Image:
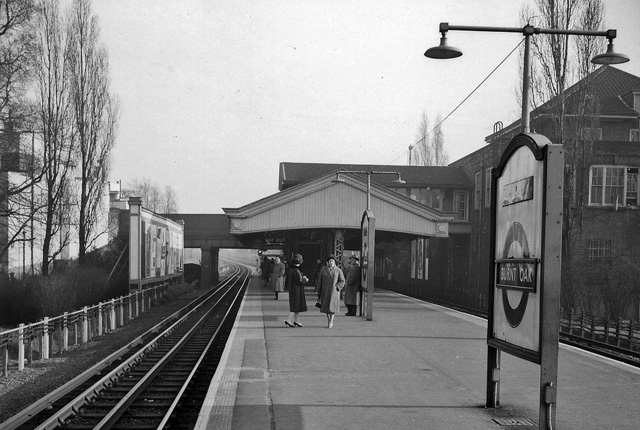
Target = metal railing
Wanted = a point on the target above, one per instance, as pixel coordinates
(42, 339)
(622, 333)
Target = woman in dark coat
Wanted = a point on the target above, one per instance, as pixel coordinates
(266, 269)
(297, 301)
(352, 287)
(328, 286)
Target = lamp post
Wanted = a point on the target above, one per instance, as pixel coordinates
(444, 51)
(368, 237)
(369, 173)
(548, 335)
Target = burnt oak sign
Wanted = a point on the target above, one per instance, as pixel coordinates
(524, 290)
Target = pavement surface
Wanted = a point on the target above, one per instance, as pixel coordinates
(414, 366)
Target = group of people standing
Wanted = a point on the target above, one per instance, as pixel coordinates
(329, 282)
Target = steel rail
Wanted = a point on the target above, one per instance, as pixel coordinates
(182, 390)
(121, 407)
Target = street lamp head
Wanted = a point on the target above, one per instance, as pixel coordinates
(443, 51)
(338, 179)
(610, 57)
(399, 180)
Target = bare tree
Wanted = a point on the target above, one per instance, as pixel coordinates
(15, 49)
(18, 172)
(153, 198)
(55, 122)
(440, 157)
(424, 155)
(430, 144)
(556, 65)
(96, 114)
(169, 201)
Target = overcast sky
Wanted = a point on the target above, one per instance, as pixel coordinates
(215, 94)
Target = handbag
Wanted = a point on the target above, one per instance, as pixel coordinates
(318, 302)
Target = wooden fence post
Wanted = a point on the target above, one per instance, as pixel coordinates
(5, 359)
(44, 352)
(21, 347)
(85, 325)
(121, 311)
(100, 310)
(112, 315)
(65, 333)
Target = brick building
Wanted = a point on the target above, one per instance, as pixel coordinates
(601, 227)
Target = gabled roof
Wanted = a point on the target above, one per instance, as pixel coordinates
(610, 87)
(417, 176)
(323, 202)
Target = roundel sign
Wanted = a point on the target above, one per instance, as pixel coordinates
(518, 247)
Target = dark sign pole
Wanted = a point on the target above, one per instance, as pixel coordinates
(367, 271)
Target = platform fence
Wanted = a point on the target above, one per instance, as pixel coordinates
(28, 343)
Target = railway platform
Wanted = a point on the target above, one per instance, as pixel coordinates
(415, 366)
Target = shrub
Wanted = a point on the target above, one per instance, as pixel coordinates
(178, 290)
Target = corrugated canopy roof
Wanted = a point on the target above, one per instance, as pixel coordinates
(418, 176)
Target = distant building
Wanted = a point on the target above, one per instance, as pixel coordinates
(602, 158)
(24, 255)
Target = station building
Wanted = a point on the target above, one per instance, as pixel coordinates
(422, 225)
(601, 222)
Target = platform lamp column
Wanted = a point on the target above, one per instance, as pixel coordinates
(368, 231)
(549, 338)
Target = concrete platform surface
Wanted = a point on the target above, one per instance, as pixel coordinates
(414, 366)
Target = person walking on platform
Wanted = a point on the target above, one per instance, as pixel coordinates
(277, 276)
(330, 282)
(265, 269)
(295, 281)
(316, 270)
(352, 287)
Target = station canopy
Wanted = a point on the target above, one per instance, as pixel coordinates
(336, 201)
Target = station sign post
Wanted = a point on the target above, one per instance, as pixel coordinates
(526, 245)
(367, 253)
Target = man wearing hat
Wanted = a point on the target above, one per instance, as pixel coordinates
(352, 286)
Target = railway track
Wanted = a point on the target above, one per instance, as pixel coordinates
(157, 381)
(606, 350)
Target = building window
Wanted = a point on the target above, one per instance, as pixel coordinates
(631, 198)
(599, 251)
(487, 188)
(420, 259)
(477, 198)
(592, 134)
(461, 205)
(613, 186)
(402, 191)
(431, 197)
(634, 135)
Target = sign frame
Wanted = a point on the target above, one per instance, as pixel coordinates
(526, 218)
(367, 256)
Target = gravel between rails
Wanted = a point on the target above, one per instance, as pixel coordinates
(20, 389)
